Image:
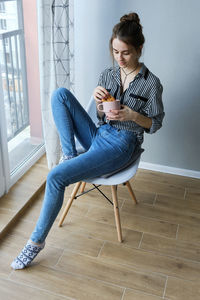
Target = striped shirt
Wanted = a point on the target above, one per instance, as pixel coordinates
(144, 95)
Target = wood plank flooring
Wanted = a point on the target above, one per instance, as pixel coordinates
(22, 194)
(158, 259)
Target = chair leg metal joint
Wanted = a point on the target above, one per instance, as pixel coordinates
(97, 187)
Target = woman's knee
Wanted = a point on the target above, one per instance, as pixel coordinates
(60, 91)
(60, 95)
(54, 179)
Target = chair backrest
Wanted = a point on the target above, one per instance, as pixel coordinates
(91, 110)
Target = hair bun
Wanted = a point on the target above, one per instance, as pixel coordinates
(129, 31)
(132, 17)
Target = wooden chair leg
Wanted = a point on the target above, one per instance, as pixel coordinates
(69, 203)
(116, 211)
(83, 187)
(131, 192)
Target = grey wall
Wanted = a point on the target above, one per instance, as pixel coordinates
(171, 51)
(94, 20)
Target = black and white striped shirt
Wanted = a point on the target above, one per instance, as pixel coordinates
(144, 95)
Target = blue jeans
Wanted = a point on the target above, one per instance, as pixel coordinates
(107, 149)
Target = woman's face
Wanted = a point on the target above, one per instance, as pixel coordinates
(125, 55)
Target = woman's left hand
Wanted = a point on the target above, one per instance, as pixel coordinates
(124, 114)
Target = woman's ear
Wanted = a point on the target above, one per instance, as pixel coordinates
(139, 51)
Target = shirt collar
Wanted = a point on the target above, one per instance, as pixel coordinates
(116, 75)
(142, 73)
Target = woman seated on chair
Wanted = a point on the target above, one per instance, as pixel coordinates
(111, 145)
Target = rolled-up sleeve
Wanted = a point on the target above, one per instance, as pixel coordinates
(101, 82)
(154, 109)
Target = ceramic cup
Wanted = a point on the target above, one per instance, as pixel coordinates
(106, 107)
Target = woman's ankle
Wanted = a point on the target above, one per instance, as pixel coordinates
(34, 243)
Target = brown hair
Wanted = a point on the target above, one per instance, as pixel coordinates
(129, 31)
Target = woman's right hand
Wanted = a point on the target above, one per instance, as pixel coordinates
(100, 93)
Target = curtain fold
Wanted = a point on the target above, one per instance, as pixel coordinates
(55, 35)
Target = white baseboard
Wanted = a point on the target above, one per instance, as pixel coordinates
(170, 170)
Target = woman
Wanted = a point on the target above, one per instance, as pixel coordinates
(110, 146)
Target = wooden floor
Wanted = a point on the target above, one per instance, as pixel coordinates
(159, 258)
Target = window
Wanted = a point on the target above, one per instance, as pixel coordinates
(21, 140)
(3, 24)
(8, 58)
(2, 7)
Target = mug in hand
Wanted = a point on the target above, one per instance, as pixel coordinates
(107, 106)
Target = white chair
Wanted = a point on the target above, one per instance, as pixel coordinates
(121, 177)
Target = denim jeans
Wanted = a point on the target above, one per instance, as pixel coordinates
(106, 149)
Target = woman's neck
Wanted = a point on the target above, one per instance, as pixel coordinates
(133, 68)
(127, 75)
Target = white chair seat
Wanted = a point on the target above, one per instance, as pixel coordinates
(118, 178)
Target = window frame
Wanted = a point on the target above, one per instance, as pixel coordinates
(7, 178)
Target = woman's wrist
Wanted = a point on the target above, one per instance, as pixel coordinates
(134, 116)
(141, 120)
